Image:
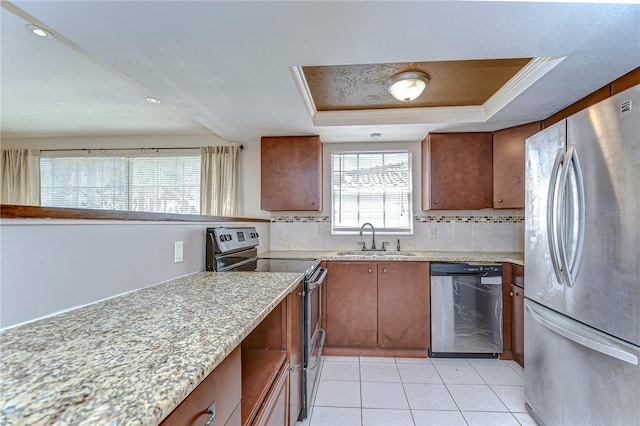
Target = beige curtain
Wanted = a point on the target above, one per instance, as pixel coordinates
(219, 180)
(20, 177)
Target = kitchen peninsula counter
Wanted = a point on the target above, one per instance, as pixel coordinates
(133, 358)
(406, 256)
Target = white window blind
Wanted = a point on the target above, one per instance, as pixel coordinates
(371, 187)
(159, 183)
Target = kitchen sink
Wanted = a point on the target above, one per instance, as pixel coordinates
(376, 253)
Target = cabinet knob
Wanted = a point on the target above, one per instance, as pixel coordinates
(384, 270)
(370, 270)
(435, 201)
(500, 200)
(511, 293)
(313, 203)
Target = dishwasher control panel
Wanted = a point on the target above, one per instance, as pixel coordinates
(459, 268)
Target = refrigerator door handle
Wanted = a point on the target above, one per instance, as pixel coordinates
(570, 269)
(583, 340)
(552, 217)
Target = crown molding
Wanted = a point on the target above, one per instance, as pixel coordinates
(301, 83)
(525, 78)
(467, 114)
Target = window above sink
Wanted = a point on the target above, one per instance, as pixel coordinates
(371, 186)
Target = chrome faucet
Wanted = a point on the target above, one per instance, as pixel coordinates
(373, 237)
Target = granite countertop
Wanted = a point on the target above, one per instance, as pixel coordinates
(133, 358)
(410, 256)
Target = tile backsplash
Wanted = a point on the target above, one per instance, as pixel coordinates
(449, 231)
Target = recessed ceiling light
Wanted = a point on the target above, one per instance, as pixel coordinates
(40, 32)
(153, 100)
(376, 135)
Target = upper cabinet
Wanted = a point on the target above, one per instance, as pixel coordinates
(508, 165)
(291, 173)
(457, 171)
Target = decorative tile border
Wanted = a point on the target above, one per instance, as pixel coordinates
(420, 219)
(301, 219)
(469, 219)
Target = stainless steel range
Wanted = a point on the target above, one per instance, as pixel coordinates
(235, 249)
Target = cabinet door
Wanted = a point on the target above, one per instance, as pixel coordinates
(403, 305)
(294, 352)
(517, 323)
(457, 171)
(352, 304)
(291, 173)
(508, 165)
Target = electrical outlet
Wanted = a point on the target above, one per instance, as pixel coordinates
(178, 252)
(432, 233)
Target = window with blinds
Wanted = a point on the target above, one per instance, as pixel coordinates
(371, 187)
(159, 183)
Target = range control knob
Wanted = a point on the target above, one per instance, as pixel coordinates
(222, 239)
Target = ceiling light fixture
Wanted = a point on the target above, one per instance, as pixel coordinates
(407, 85)
(153, 100)
(40, 32)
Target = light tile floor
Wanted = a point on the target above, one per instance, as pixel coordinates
(410, 391)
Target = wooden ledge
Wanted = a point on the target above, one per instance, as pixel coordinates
(10, 211)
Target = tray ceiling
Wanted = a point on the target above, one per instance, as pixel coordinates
(452, 83)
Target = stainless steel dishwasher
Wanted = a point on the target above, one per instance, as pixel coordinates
(466, 310)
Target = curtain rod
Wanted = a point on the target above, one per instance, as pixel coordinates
(123, 149)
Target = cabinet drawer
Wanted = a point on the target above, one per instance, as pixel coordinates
(275, 410)
(223, 385)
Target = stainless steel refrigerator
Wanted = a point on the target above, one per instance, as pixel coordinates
(582, 267)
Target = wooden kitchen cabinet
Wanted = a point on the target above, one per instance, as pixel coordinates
(266, 376)
(377, 308)
(351, 293)
(403, 305)
(291, 173)
(508, 165)
(257, 373)
(513, 312)
(223, 386)
(457, 171)
(517, 313)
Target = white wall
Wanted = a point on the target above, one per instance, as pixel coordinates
(249, 159)
(478, 230)
(47, 266)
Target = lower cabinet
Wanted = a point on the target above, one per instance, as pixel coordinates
(403, 305)
(351, 291)
(380, 306)
(513, 312)
(222, 387)
(517, 323)
(264, 372)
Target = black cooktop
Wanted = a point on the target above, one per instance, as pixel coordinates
(305, 266)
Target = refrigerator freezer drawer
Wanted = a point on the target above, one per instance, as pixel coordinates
(576, 374)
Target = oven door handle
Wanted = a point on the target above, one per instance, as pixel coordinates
(321, 345)
(317, 283)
